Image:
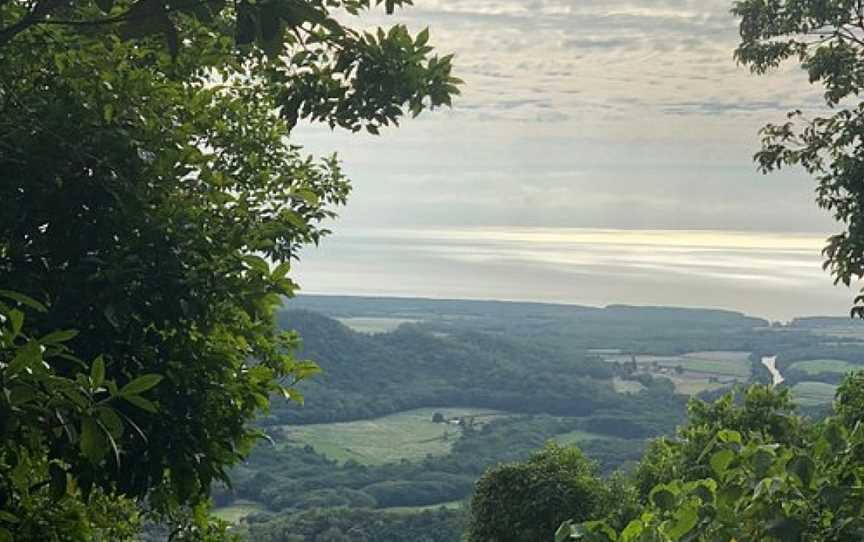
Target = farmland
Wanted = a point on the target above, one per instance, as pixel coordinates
(375, 325)
(813, 393)
(817, 366)
(238, 510)
(691, 373)
(410, 435)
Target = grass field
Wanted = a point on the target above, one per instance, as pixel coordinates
(375, 325)
(816, 366)
(699, 371)
(626, 386)
(692, 384)
(813, 393)
(238, 510)
(720, 364)
(407, 435)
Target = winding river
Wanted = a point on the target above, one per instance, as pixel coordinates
(770, 362)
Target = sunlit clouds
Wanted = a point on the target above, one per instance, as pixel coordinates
(599, 114)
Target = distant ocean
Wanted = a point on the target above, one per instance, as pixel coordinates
(771, 275)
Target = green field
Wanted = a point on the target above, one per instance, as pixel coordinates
(409, 435)
(238, 510)
(720, 364)
(699, 371)
(813, 393)
(375, 325)
(816, 366)
(626, 386)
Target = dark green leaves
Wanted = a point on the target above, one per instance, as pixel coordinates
(824, 37)
(93, 443)
(97, 372)
(140, 385)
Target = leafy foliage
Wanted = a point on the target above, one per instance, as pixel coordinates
(827, 39)
(529, 500)
(52, 428)
(764, 474)
(153, 202)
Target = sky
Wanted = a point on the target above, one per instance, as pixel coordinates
(602, 114)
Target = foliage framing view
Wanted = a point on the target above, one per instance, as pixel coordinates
(827, 39)
(147, 178)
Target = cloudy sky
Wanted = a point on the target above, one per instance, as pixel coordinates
(613, 114)
(603, 113)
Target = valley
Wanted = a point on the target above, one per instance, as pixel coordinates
(418, 397)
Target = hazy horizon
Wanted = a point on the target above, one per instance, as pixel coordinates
(610, 114)
(771, 275)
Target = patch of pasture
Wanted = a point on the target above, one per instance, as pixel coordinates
(238, 510)
(721, 364)
(626, 386)
(364, 324)
(694, 372)
(813, 393)
(409, 435)
(816, 366)
(695, 383)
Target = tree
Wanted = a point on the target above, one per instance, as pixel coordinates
(529, 500)
(146, 190)
(827, 39)
(754, 478)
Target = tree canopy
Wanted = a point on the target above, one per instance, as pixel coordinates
(149, 178)
(827, 40)
(753, 478)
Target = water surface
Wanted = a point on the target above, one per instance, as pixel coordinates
(773, 275)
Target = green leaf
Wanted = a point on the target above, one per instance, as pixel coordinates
(92, 441)
(97, 372)
(281, 271)
(633, 531)
(257, 263)
(292, 395)
(142, 403)
(684, 521)
(59, 336)
(28, 356)
(16, 318)
(140, 384)
(308, 196)
(727, 435)
(720, 461)
(422, 38)
(110, 420)
(24, 300)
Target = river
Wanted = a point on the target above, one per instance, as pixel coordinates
(771, 363)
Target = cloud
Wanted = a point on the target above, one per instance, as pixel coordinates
(618, 113)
